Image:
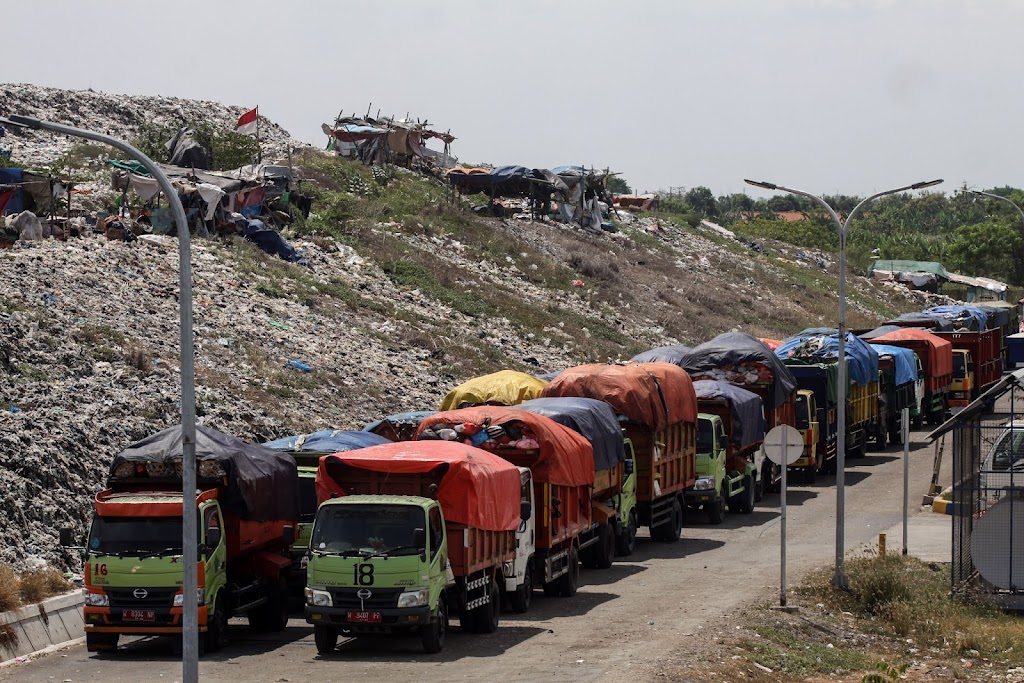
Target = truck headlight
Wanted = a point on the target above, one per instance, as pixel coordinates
(704, 484)
(318, 598)
(416, 598)
(97, 600)
(179, 598)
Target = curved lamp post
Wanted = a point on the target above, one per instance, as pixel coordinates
(839, 576)
(190, 616)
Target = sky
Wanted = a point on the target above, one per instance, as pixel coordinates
(827, 96)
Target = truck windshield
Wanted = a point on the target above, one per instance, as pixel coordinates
(705, 436)
(135, 535)
(803, 415)
(1008, 451)
(364, 529)
(959, 366)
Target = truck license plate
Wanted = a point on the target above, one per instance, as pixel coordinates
(365, 617)
(138, 615)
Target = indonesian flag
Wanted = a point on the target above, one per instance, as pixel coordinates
(247, 122)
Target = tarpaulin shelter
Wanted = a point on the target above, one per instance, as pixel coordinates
(564, 457)
(747, 408)
(263, 483)
(662, 354)
(594, 420)
(504, 181)
(739, 358)
(477, 488)
(862, 359)
(505, 387)
(923, 275)
(653, 394)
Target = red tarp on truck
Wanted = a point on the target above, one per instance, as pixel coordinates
(651, 394)
(565, 457)
(479, 489)
(939, 361)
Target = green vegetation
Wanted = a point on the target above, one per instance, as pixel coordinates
(227, 148)
(801, 651)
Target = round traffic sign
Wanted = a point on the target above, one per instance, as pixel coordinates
(784, 444)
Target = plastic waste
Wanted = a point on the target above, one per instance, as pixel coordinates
(14, 409)
(299, 365)
(478, 438)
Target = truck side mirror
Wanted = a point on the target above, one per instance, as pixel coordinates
(212, 538)
(525, 510)
(288, 534)
(627, 466)
(419, 538)
(67, 537)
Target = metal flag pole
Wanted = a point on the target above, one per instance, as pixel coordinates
(190, 608)
(906, 474)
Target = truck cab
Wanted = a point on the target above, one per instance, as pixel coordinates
(807, 423)
(624, 504)
(378, 564)
(707, 492)
(963, 378)
(518, 573)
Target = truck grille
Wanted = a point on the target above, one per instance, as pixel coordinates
(381, 598)
(125, 598)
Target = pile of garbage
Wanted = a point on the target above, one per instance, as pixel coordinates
(122, 116)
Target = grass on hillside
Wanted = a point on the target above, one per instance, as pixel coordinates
(30, 586)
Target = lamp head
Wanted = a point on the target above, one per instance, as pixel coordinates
(926, 183)
(761, 183)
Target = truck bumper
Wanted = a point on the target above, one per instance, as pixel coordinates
(392, 620)
(696, 498)
(166, 621)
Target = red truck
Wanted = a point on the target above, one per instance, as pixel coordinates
(560, 463)
(658, 407)
(935, 354)
(406, 534)
(747, 362)
(977, 363)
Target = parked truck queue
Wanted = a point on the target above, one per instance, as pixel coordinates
(515, 483)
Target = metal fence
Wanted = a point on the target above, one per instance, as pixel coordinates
(988, 500)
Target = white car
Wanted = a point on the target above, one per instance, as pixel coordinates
(1003, 466)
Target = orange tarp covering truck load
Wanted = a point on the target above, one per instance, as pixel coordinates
(659, 407)
(561, 463)
(936, 356)
(478, 492)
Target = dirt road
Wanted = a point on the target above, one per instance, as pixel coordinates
(619, 627)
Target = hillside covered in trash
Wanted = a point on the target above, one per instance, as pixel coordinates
(406, 291)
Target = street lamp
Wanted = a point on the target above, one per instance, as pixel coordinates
(1002, 199)
(190, 608)
(839, 576)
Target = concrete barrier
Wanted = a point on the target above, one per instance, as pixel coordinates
(32, 628)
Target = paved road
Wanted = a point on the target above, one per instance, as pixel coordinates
(621, 624)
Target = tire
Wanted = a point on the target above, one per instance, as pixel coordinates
(101, 642)
(326, 639)
(625, 540)
(487, 616)
(670, 530)
(434, 634)
(565, 586)
(271, 616)
(716, 511)
(810, 474)
(758, 487)
(604, 549)
(917, 422)
(749, 494)
(216, 627)
(519, 600)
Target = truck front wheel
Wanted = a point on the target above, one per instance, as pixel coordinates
(716, 509)
(485, 617)
(101, 642)
(216, 627)
(670, 530)
(433, 635)
(746, 498)
(520, 600)
(601, 555)
(625, 541)
(326, 639)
